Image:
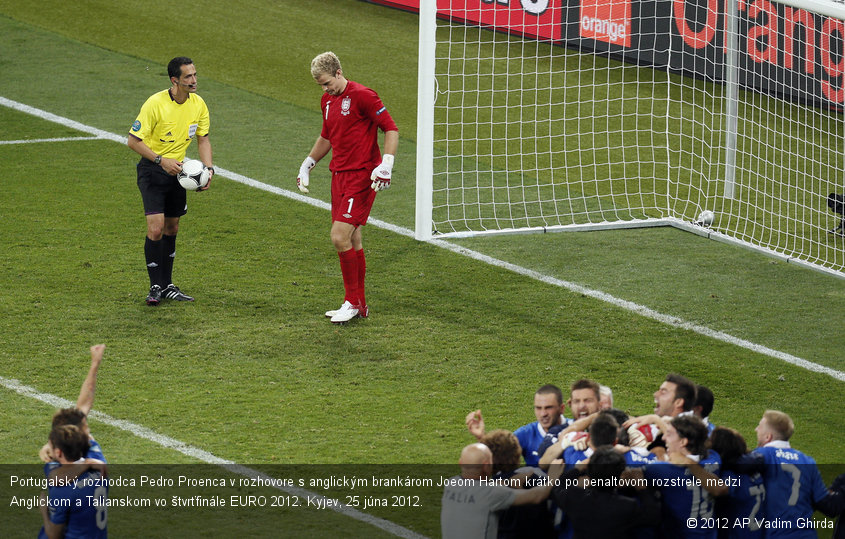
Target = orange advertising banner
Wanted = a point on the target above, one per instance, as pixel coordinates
(606, 20)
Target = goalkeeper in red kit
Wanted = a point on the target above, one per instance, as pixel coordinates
(352, 116)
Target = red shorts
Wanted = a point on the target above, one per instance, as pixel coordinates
(352, 196)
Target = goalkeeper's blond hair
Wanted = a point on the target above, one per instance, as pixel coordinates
(326, 62)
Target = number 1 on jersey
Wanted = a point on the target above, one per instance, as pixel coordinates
(349, 210)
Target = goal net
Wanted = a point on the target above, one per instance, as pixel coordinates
(556, 115)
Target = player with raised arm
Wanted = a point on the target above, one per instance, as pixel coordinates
(74, 508)
(78, 415)
(168, 122)
(548, 409)
(352, 115)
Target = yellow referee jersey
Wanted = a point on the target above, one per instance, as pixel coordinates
(168, 127)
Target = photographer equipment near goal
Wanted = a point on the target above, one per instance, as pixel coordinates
(546, 115)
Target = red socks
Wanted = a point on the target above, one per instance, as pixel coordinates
(349, 270)
(362, 272)
(353, 267)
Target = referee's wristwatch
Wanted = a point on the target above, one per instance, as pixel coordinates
(157, 160)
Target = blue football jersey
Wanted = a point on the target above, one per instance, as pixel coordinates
(793, 485)
(95, 451)
(637, 457)
(684, 497)
(550, 438)
(572, 456)
(530, 437)
(742, 511)
(634, 458)
(80, 506)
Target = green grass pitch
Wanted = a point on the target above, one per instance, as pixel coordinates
(251, 372)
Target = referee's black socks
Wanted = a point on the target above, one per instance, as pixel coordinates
(153, 252)
(168, 253)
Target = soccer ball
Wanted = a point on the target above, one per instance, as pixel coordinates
(705, 218)
(194, 175)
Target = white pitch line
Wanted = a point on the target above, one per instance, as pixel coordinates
(39, 140)
(204, 456)
(647, 312)
(61, 120)
(642, 310)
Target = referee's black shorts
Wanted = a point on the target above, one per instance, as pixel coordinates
(160, 191)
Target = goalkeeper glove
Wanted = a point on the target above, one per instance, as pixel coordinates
(381, 174)
(636, 437)
(581, 441)
(304, 174)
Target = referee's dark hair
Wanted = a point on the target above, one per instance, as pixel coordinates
(174, 68)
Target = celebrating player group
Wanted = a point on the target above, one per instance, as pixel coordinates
(352, 116)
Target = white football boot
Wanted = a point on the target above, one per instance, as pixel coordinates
(362, 312)
(346, 313)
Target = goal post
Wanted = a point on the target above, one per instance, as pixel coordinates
(544, 115)
(425, 118)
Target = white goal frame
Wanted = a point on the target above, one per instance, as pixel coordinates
(810, 246)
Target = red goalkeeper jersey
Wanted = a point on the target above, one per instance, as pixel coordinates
(350, 123)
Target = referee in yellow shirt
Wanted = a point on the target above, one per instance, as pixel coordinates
(161, 134)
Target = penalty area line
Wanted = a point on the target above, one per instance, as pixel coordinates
(204, 456)
(642, 310)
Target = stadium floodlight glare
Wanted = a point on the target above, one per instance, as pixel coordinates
(551, 115)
